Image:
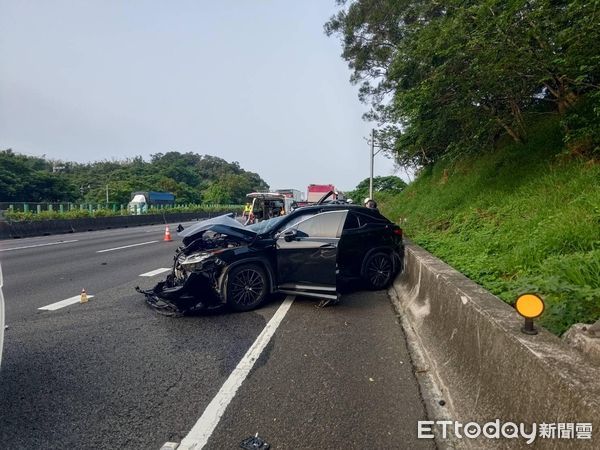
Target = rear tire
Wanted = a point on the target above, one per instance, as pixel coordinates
(246, 287)
(379, 271)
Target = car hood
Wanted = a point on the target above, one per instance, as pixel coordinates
(224, 224)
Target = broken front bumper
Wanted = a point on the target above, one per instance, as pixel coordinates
(195, 294)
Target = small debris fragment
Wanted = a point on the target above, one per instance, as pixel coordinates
(6, 327)
(326, 302)
(255, 443)
(371, 379)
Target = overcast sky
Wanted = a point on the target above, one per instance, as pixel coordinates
(251, 81)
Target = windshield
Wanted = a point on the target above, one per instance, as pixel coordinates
(266, 225)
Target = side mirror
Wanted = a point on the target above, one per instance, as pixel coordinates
(289, 235)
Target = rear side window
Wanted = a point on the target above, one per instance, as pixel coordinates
(367, 219)
(352, 222)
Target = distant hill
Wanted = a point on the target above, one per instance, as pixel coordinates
(191, 177)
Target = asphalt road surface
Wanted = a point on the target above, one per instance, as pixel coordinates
(112, 373)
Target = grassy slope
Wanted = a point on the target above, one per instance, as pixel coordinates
(519, 219)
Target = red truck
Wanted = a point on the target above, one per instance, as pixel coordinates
(315, 191)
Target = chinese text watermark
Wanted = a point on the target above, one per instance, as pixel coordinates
(507, 430)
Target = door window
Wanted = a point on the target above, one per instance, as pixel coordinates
(327, 224)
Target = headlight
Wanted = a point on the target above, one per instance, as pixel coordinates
(195, 261)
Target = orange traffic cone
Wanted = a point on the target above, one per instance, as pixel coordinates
(167, 235)
(83, 298)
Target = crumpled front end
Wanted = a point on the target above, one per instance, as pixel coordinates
(189, 287)
(194, 282)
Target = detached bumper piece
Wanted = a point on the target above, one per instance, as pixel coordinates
(160, 306)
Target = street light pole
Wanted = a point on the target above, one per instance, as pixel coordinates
(107, 183)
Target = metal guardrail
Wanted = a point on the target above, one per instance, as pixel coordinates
(37, 207)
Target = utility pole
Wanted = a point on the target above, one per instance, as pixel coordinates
(106, 194)
(373, 153)
(372, 158)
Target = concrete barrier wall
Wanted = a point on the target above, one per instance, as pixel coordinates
(491, 370)
(47, 227)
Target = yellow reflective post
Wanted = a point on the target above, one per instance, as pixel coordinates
(529, 306)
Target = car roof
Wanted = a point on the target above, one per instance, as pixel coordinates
(334, 206)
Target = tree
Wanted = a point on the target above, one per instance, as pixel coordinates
(216, 193)
(389, 184)
(444, 78)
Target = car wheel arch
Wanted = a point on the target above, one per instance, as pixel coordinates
(371, 252)
(263, 262)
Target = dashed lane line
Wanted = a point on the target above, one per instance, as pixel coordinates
(38, 245)
(155, 272)
(63, 303)
(125, 246)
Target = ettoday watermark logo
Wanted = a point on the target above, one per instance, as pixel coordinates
(427, 429)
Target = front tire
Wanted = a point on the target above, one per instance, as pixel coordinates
(379, 271)
(246, 287)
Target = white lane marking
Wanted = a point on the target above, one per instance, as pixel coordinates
(38, 245)
(202, 430)
(155, 272)
(63, 303)
(125, 246)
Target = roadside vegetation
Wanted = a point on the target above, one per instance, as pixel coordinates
(523, 218)
(496, 105)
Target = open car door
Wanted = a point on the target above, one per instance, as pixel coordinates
(307, 255)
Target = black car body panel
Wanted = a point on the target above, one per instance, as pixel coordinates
(304, 253)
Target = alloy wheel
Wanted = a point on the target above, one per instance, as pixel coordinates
(247, 287)
(379, 270)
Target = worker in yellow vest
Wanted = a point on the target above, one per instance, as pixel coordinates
(246, 216)
(247, 209)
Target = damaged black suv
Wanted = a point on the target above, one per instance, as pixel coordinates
(307, 252)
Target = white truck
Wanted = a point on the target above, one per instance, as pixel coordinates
(266, 205)
(291, 193)
(141, 201)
